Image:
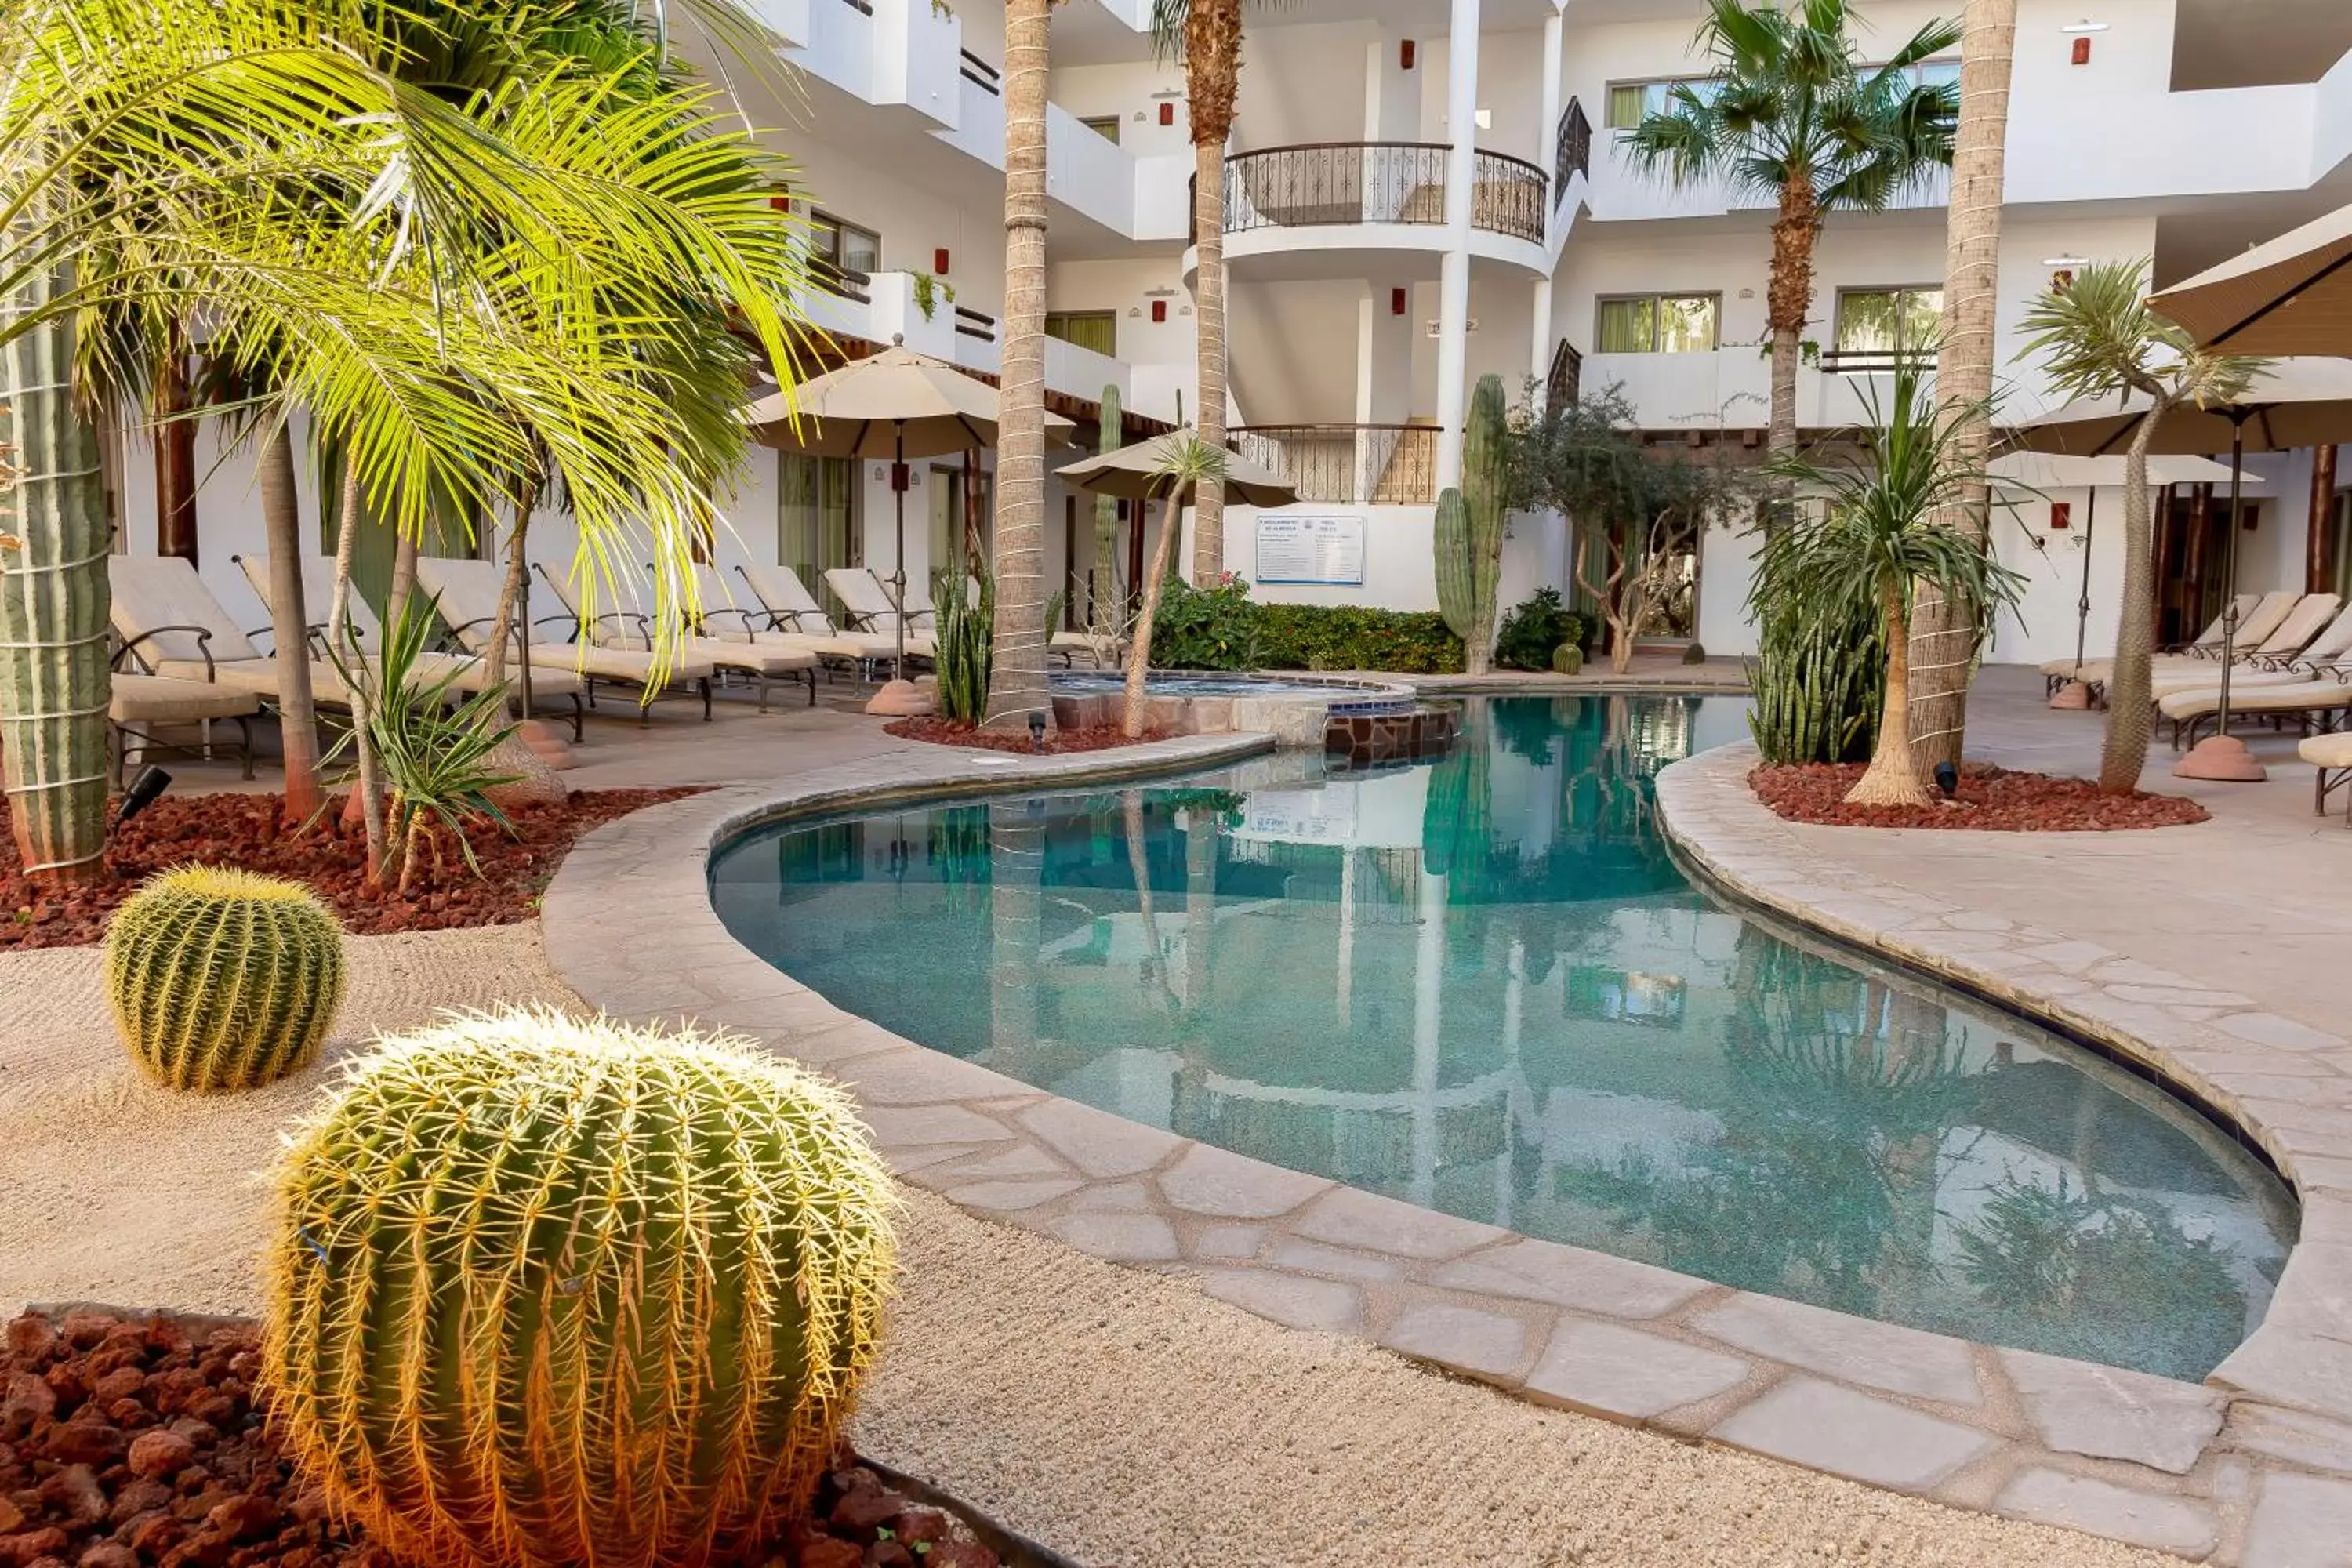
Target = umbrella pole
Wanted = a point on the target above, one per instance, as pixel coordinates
(2075, 693)
(898, 569)
(2223, 756)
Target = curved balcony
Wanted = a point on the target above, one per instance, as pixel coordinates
(1358, 465)
(1328, 183)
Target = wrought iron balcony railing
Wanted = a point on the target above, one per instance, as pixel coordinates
(1573, 154)
(1377, 182)
(1361, 465)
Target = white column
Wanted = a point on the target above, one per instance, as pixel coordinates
(1540, 332)
(1546, 149)
(1454, 274)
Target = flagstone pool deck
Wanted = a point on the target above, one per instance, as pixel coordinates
(2212, 957)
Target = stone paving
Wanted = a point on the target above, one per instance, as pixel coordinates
(2255, 1467)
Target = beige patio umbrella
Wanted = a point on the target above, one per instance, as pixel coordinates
(895, 405)
(2291, 295)
(1133, 473)
(2038, 471)
(2294, 403)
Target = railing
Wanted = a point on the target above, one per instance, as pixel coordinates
(1363, 465)
(980, 74)
(1377, 182)
(971, 323)
(1874, 362)
(1572, 152)
(1564, 383)
(836, 280)
(1507, 195)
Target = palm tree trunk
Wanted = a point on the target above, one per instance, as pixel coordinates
(403, 585)
(1943, 643)
(510, 591)
(2129, 695)
(1017, 677)
(290, 626)
(1891, 779)
(370, 785)
(53, 601)
(1209, 349)
(1789, 300)
(1139, 653)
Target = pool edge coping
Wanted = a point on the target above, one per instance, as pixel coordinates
(2120, 1454)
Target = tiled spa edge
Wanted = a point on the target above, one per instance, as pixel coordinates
(628, 922)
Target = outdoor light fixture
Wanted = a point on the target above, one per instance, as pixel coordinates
(2084, 25)
(1947, 779)
(144, 791)
(2066, 261)
(1037, 731)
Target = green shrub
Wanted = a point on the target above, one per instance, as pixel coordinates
(966, 641)
(1535, 629)
(545, 1290)
(1223, 629)
(222, 979)
(1206, 628)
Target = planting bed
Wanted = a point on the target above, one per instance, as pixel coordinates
(242, 830)
(948, 732)
(1991, 800)
(140, 1445)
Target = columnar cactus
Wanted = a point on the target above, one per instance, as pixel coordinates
(547, 1293)
(222, 979)
(1107, 522)
(1469, 545)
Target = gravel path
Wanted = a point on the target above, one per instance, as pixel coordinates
(1123, 1417)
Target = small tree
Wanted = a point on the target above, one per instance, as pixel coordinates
(1871, 533)
(2098, 336)
(1586, 461)
(1189, 465)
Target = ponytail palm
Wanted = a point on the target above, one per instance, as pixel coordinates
(1870, 536)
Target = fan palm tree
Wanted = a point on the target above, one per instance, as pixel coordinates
(1942, 652)
(1791, 113)
(1018, 668)
(486, 278)
(1872, 537)
(2097, 337)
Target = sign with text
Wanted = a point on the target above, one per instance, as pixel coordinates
(1311, 549)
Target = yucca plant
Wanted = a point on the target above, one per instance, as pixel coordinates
(966, 641)
(222, 979)
(547, 1291)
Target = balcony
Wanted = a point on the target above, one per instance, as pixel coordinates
(1330, 183)
(1355, 465)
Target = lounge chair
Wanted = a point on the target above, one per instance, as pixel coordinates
(2316, 703)
(170, 624)
(467, 594)
(1060, 644)
(2331, 755)
(137, 705)
(2319, 633)
(2059, 671)
(465, 671)
(2268, 640)
(871, 608)
(792, 612)
(634, 632)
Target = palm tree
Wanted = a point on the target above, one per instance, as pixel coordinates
(1943, 653)
(1189, 468)
(506, 279)
(2098, 337)
(1208, 35)
(1872, 536)
(1791, 113)
(1017, 669)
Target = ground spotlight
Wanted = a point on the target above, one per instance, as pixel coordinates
(144, 791)
(1037, 731)
(1947, 779)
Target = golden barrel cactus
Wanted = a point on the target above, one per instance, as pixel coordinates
(548, 1292)
(222, 979)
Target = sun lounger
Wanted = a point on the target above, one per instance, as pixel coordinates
(465, 671)
(635, 631)
(871, 608)
(467, 594)
(2057, 672)
(138, 705)
(2281, 640)
(793, 612)
(2331, 755)
(2315, 660)
(2315, 702)
(170, 624)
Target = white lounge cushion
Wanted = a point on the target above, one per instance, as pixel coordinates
(2327, 751)
(153, 591)
(163, 699)
(2290, 697)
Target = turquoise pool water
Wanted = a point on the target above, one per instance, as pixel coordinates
(1483, 986)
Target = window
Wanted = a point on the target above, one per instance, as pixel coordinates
(949, 546)
(1659, 325)
(847, 246)
(1103, 125)
(1888, 321)
(1631, 101)
(816, 519)
(1936, 73)
(1096, 329)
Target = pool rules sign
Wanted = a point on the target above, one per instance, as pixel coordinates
(1311, 549)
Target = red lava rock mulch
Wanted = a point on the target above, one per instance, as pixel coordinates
(1991, 800)
(948, 732)
(242, 830)
(141, 1444)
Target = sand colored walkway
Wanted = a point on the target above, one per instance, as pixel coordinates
(1122, 1417)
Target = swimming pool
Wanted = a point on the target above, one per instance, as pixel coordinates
(1483, 986)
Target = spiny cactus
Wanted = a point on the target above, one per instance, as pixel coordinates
(1567, 659)
(1469, 547)
(1107, 524)
(222, 979)
(547, 1291)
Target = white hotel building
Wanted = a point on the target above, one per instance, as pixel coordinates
(1418, 194)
